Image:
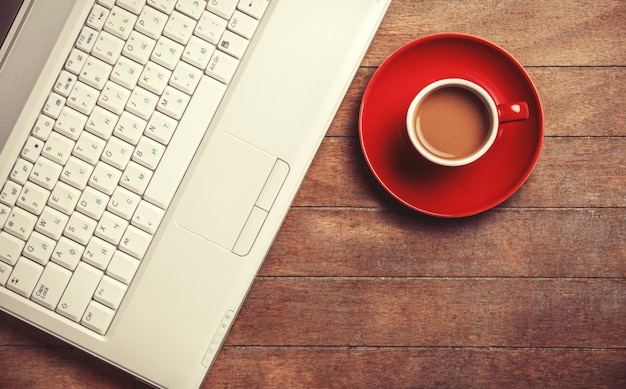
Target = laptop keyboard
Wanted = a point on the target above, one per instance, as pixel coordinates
(110, 146)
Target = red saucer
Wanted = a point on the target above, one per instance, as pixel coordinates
(433, 189)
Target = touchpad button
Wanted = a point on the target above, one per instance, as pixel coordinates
(226, 190)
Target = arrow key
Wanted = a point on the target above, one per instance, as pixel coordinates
(147, 217)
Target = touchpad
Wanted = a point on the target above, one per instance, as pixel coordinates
(233, 193)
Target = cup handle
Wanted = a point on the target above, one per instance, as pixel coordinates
(512, 112)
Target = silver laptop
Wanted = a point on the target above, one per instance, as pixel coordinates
(149, 152)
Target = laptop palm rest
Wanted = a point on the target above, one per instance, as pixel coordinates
(232, 194)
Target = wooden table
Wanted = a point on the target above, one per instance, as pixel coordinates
(361, 292)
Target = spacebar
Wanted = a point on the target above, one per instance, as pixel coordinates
(182, 147)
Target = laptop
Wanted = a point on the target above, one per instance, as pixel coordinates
(149, 152)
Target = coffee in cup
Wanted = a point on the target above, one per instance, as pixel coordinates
(454, 122)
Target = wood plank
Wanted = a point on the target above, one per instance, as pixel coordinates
(433, 312)
(501, 243)
(571, 172)
(576, 101)
(16, 333)
(411, 368)
(537, 33)
(271, 367)
(68, 368)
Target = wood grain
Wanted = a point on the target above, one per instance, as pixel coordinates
(537, 33)
(547, 243)
(433, 312)
(417, 368)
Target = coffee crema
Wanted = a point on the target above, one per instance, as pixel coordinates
(452, 122)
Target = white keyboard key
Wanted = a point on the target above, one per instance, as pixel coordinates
(135, 242)
(39, 248)
(148, 153)
(198, 52)
(76, 173)
(138, 47)
(123, 203)
(147, 217)
(210, 27)
(45, 172)
(173, 102)
(86, 39)
(222, 67)
(75, 61)
(51, 223)
(70, 123)
(243, 24)
(97, 17)
(43, 127)
(88, 148)
(32, 149)
(161, 128)
(5, 272)
(126, 72)
(101, 122)
(33, 198)
(107, 47)
(107, 3)
(4, 214)
(24, 277)
(136, 178)
(233, 44)
(20, 223)
(122, 267)
(142, 103)
(65, 83)
(130, 128)
(254, 8)
(179, 28)
(98, 253)
(10, 248)
(117, 153)
(54, 105)
(133, 6)
(63, 198)
(97, 317)
(185, 141)
(10, 192)
(191, 8)
(166, 6)
(223, 8)
(21, 171)
(57, 148)
(167, 53)
(105, 178)
(120, 23)
(114, 97)
(67, 253)
(154, 78)
(185, 77)
(83, 98)
(92, 203)
(111, 228)
(95, 73)
(79, 228)
(110, 292)
(151, 22)
(78, 293)
(51, 285)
